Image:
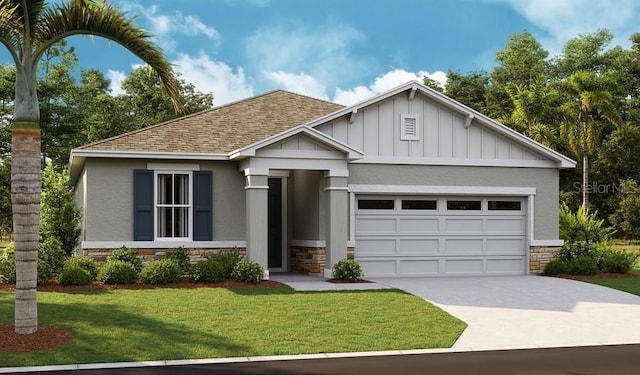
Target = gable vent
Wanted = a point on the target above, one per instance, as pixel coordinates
(409, 127)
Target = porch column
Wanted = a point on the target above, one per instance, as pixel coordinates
(256, 191)
(337, 218)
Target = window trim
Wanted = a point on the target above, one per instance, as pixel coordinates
(405, 135)
(189, 215)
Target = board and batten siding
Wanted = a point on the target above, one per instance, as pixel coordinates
(375, 130)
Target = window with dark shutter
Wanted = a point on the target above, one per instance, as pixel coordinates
(143, 205)
(202, 206)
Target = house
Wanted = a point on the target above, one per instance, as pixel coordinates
(409, 182)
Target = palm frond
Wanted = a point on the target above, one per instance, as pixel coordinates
(76, 17)
(30, 10)
(10, 27)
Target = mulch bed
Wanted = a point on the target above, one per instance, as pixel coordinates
(46, 337)
(340, 281)
(601, 275)
(53, 286)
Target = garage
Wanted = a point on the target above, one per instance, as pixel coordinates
(440, 235)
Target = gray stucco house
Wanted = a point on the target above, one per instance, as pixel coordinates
(409, 182)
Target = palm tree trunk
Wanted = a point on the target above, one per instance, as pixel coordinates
(25, 198)
(585, 166)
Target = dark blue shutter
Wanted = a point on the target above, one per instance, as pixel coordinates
(142, 205)
(202, 206)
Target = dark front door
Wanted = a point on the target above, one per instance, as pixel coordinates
(275, 223)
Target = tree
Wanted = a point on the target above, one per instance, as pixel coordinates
(587, 98)
(27, 30)
(469, 89)
(59, 217)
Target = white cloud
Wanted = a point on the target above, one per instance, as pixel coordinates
(383, 83)
(208, 75)
(565, 19)
(116, 77)
(299, 83)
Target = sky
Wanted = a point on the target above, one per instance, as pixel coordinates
(343, 50)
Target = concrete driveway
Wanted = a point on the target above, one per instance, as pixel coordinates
(517, 312)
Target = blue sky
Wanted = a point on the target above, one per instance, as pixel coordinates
(344, 50)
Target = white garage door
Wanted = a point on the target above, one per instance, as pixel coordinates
(440, 236)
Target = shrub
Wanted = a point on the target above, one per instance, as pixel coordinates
(181, 256)
(617, 261)
(8, 265)
(228, 259)
(161, 271)
(117, 272)
(555, 267)
(582, 265)
(74, 274)
(626, 217)
(207, 271)
(126, 255)
(571, 250)
(85, 262)
(51, 253)
(251, 272)
(582, 226)
(347, 269)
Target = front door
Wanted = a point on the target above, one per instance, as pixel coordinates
(275, 228)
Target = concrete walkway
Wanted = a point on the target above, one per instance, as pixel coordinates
(517, 312)
(306, 283)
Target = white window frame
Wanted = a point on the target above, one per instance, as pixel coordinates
(404, 135)
(189, 206)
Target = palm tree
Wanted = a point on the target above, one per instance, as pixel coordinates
(27, 29)
(588, 97)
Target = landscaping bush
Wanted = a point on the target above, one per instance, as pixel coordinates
(8, 265)
(117, 272)
(582, 227)
(85, 262)
(74, 274)
(555, 267)
(181, 256)
(617, 261)
(207, 271)
(228, 259)
(251, 272)
(161, 271)
(626, 217)
(126, 255)
(347, 269)
(51, 253)
(582, 265)
(571, 250)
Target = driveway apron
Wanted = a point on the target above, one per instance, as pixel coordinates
(518, 312)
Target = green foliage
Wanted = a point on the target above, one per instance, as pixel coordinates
(6, 221)
(161, 271)
(207, 271)
(228, 259)
(117, 272)
(251, 272)
(347, 269)
(8, 265)
(618, 261)
(571, 250)
(582, 265)
(181, 256)
(74, 274)
(126, 255)
(85, 262)
(59, 217)
(50, 253)
(555, 267)
(626, 218)
(582, 226)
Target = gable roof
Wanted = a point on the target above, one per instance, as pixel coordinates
(222, 129)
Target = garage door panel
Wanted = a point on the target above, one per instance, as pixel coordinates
(505, 266)
(376, 225)
(463, 245)
(460, 225)
(419, 225)
(511, 225)
(378, 267)
(421, 246)
(505, 245)
(377, 246)
(463, 266)
(419, 267)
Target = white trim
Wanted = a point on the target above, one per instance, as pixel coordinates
(308, 243)
(517, 163)
(299, 154)
(337, 173)
(278, 173)
(257, 187)
(162, 244)
(414, 135)
(352, 219)
(146, 155)
(173, 167)
(550, 243)
(442, 190)
(189, 206)
(338, 188)
(328, 273)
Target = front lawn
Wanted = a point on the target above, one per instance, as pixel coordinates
(629, 285)
(156, 324)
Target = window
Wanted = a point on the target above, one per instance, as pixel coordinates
(411, 204)
(504, 205)
(464, 205)
(376, 204)
(173, 205)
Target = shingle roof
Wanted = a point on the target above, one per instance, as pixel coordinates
(223, 129)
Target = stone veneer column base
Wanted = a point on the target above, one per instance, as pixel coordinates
(539, 256)
(309, 260)
(195, 255)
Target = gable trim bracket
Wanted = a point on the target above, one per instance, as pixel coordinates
(412, 93)
(353, 115)
(468, 119)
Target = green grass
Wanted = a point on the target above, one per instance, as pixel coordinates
(156, 324)
(629, 285)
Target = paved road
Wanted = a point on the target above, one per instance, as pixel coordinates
(603, 360)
